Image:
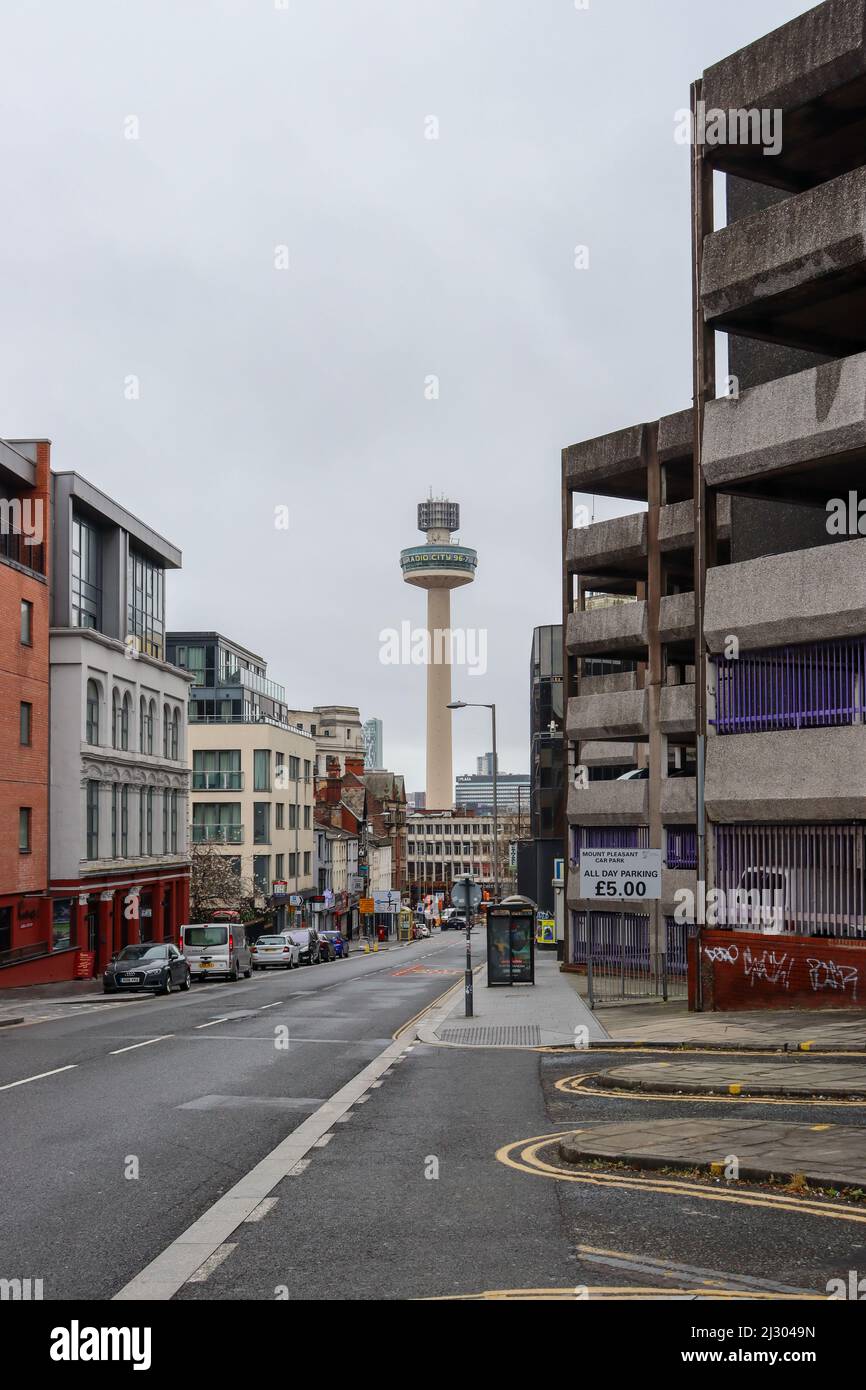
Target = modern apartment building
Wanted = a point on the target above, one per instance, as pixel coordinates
(730, 609)
(119, 861)
(374, 754)
(252, 771)
(25, 918)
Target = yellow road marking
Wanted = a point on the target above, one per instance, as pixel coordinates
(620, 1292)
(572, 1085)
(529, 1161)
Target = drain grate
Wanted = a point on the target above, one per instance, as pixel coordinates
(519, 1035)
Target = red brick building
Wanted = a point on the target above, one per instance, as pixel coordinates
(25, 920)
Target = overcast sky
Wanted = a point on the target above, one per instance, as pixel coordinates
(260, 127)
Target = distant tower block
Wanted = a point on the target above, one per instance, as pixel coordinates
(439, 566)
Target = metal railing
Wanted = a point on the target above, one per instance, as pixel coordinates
(217, 781)
(614, 950)
(814, 686)
(217, 834)
(682, 847)
(607, 837)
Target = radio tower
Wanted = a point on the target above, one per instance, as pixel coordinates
(439, 566)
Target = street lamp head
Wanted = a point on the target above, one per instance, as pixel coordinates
(458, 704)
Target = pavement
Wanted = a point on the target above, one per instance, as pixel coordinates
(823, 1155)
(798, 1076)
(671, 1025)
(549, 1013)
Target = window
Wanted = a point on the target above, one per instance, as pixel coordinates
(306, 817)
(306, 769)
(145, 597)
(306, 862)
(151, 721)
(92, 820)
(115, 818)
(174, 822)
(175, 735)
(25, 823)
(217, 770)
(165, 805)
(149, 836)
(124, 822)
(125, 720)
(279, 870)
(166, 731)
(262, 770)
(26, 724)
(142, 819)
(217, 823)
(92, 727)
(26, 623)
(261, 823)
(294, 768)
(61, 924)
(262, 873)
(86, 575)
(293, 866)
(293, 817)
(280, 816)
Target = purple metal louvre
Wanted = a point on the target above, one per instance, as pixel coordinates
(608, 837)
(682, 851)
(814, 686)
(619, 940)
(815, 873)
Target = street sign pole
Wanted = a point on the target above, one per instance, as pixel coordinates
(468, 978)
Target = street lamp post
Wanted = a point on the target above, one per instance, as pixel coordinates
(463, 704)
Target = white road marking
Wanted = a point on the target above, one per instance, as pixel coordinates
(300, 1167)
(10, 1085)
(213, 1022)
(148, 1043)
(170, 1270)
(275, 1005)
(205, 1270)
(262, 1209)
(323, 1142)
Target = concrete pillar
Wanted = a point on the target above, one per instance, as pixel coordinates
(157, 925)
(440, 778)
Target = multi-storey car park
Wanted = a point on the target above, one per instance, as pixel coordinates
(718, 637)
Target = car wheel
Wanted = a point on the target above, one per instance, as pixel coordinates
(167, 986)
(187, 982)
(248, 973)
(233, 973)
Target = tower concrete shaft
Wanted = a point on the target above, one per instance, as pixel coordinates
(439, 566)
(440, 758)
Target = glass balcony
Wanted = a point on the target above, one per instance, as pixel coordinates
(217, 834)
(217, 781)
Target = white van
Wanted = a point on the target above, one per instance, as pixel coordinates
(216, 948)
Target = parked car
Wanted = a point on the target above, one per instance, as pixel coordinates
(420, 930)
(307, 939)
(454, 923)
(337, 943)
(275, 952)
(216, 948)
(157, 966)
(635, 774)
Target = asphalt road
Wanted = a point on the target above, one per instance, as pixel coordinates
(188, 1092)
(410, 1200)
(426, 1187)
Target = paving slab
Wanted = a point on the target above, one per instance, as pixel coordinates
(797, 1077)
(546, 1014)
(826, 1155)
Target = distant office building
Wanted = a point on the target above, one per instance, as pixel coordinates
(484, 765)
(536, 859)
(417, 801)
(512, 792)
(374, 757)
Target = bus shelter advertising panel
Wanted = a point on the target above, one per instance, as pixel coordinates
(510, 946)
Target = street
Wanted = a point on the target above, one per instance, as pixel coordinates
(442, 1178)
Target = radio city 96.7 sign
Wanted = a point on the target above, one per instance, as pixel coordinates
(632, 875)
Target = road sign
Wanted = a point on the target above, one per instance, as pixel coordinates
(627, 875)
(458, 895)
(366, 907)
(388, 901)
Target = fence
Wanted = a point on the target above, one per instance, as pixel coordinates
(814, 874)
(614, 950)
(813, 686)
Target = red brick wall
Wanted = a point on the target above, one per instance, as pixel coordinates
(746, 970)
(24, 676)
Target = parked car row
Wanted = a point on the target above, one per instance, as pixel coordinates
(216, 949)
